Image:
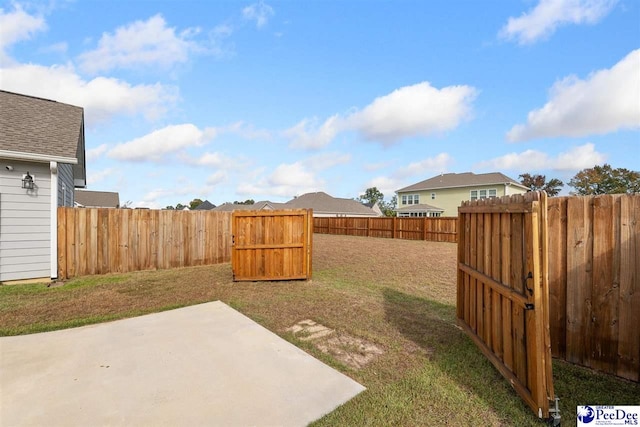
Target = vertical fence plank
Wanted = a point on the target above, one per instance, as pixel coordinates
(557, 250)
(605, 288)
(579, 267)
(496, 273)
(629, 319)
(62, 243)
(507, 309)
(71, 243)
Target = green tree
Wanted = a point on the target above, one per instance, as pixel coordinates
(372, 195)
(539, 182)
(180, 206)
(388, 208)
(195, 203)
(246, 202)
(605, 180)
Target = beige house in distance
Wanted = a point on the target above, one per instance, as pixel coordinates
(442, 194)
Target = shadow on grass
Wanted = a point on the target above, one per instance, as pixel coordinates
(432, 326)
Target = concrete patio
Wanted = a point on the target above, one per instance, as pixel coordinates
(200, 365)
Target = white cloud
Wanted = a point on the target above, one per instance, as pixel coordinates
(307, 133)
(102, 97)
(430, 165)
(287, 181)
(417, 110)
(18, 25)
(216, 178)
(577, 158)
(97, 176)
(259, 12)
(141, 43)
(326, 161)
(152, 199)
(387, 185)
(548, 15)
(95, 153)
(58, 48)
(607, 101)
(246, 131)
(156, 145)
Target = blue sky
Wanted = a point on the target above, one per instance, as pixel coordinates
(268, 100)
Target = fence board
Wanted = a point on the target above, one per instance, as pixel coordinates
(629, 317)
(99, 241)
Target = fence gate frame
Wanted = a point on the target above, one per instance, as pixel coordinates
(503, 291)
(272, 245)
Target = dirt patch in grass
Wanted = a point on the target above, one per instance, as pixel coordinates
(354, 352)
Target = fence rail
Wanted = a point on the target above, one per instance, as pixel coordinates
(432, 229)
(99, 241)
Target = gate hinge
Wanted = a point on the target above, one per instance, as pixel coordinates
(529, 306)
(554, 413)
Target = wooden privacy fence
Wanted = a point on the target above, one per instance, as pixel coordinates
(594, 275)
(433, 229)
(99, 241)
(502, 295)
(272, 245)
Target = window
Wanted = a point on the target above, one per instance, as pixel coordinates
(483, 194)
(410, 199)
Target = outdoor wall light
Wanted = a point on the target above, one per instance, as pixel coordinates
(9, 168)
(27, 182)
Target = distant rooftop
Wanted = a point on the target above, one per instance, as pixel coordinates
(466, 179)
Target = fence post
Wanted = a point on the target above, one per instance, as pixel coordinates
(395, 226)
(424, 228)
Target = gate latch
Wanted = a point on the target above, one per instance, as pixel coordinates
(529, 276)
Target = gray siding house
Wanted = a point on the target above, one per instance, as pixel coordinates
(44, 140)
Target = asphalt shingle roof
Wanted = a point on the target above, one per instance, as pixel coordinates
(204, 206)
(466, 179)
(97, 199)
(257, 206)
(321, 202)
(39, 126)
(420, 207)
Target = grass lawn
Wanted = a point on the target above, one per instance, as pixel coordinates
(397, 295)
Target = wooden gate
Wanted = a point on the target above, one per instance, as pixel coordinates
(503, 294)
(272, 245)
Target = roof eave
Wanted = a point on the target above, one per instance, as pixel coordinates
(461, 186)
(39, 158)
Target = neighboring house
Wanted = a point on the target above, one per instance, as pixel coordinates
(324, 205)
(42, 161)
(442, 194)
(263, 205)
(204, 206)
(97, 199)
(375, 207)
